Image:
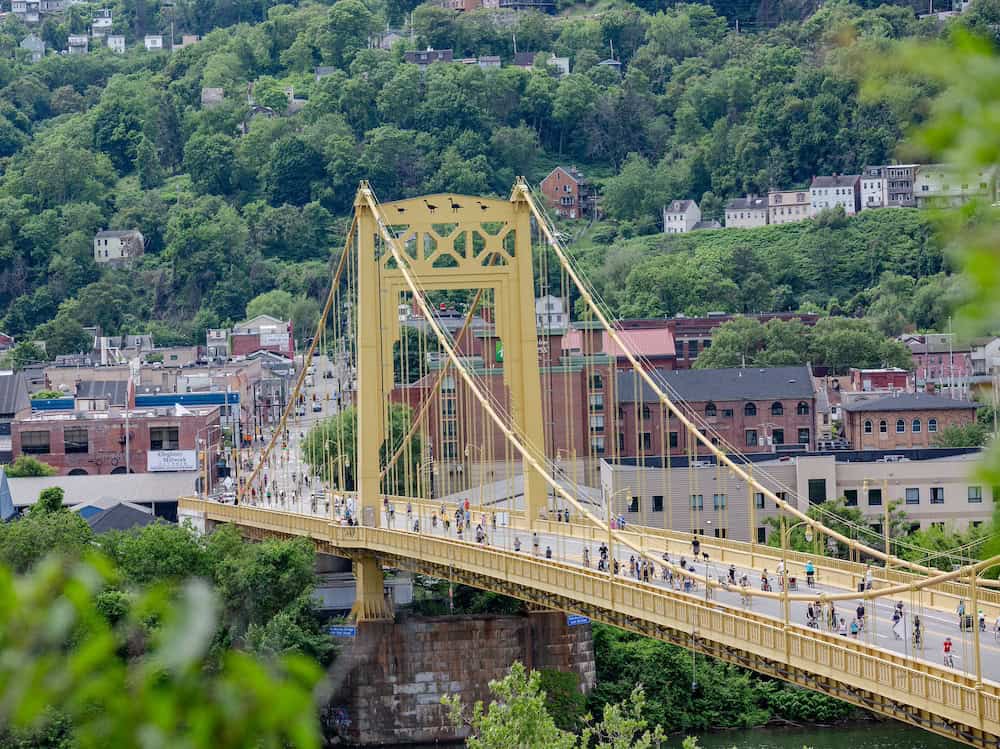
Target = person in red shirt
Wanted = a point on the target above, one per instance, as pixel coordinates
(948, 660)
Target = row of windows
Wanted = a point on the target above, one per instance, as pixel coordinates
(915, 426)
(77, 440)
(750, 409)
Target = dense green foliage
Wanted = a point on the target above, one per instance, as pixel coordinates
(687, 693)
(26, 466)
(122, 141)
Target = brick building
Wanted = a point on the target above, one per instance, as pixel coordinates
(568, 192)
(938, 359)
(78, 443)
(694, 334)
(892, 378)
(262, 333)
(753, 409)
(903, 420)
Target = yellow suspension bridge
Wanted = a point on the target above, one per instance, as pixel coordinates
(458, 449)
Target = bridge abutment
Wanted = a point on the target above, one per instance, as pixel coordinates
(370, 603)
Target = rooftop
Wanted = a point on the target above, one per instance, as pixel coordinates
(115, 233)
(835, 180)
(121, 517)
(910, 402)
(118, 414)
(678, 206)
(640, 341)
(13, 392)
(114, 391)
(736, 384)
(750, 202)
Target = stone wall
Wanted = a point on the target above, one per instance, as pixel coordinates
(395, 673)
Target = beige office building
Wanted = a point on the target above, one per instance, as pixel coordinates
(934, 487)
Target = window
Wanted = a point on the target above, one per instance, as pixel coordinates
(751, 437)
(35, 443)
(697, 502)
(163, 438)
(802, 409)
(450, 429)
(621, 441)
(720, 532)
(673, 439)
(932, 425)
(777, 409)
(692, 349)
(874, 497)
(597, 445)
(749, 410)
(448, 384)
(657, 503)
(937, 495)
(597, 401)
(448, 407)
(868, 426)
(645, 413)
(778, 436)
(758, 500)
(597, 422)
(817, 491)
(75, 440)
(450, 450)
(876, 528)
(719, 501)
(851, 497)
(803, 436)
(710, 410)
(633, 504)
(596, 383)
(975, 495)
(761, 534)
(647, 441)
(913, 496)
(883, 427)
(727, 413)
(900, 426)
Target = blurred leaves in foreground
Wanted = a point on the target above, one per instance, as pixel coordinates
(146, 680)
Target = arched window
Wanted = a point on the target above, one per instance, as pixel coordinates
(749, 410)
(777, 409)
(710, 409)
(932, 425)
(868, 426)
(883, 427)
(900, 426)
(915, 426)
(802, 409)
(77, 472)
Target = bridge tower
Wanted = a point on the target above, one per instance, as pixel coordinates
(450, 242)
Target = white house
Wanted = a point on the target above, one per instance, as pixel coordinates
(116, 43)
(746, 213)
(680, 216)
(101, 22)
(153, 42)
(78, 44)
(550, 313)
(118, 246)
(35, 46)
(839, 189)
(944, 185)
(874, 192)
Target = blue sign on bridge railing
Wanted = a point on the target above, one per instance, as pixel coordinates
(574, 620)
(342, 631)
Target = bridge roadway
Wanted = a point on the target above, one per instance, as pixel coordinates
(875, 676)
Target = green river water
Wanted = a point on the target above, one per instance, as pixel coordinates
(859, 736)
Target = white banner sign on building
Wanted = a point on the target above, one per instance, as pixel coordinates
(274, 339)
(172, 460)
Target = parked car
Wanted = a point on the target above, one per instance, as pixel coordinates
(317, 407)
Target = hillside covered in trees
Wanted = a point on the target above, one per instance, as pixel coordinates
(234, 206)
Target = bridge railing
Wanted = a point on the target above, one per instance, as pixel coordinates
(852, 664)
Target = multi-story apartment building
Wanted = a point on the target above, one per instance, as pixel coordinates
(899, 180)
(842, 190)
(934, 487)
(873, 187)
(787, 206)
(746, 213)
(939, 360)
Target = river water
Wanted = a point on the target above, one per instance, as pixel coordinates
(861, 736)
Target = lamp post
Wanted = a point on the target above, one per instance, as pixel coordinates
(785, 532)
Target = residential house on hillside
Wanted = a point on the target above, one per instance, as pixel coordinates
(116, 246)
(27, 11)
(429, 56)
(903, 420)
(787, 206)
(873, 187)
(839, 189)
(899, 180)
(187, 40)
(942, 185)
(78, 44)
(212, 97)
(568, 192)
(153, 42)
(6, 342)
(746, 213)
(116, 43)
(101, 22)
(550, 313)
(34, 45)
(680, 216)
